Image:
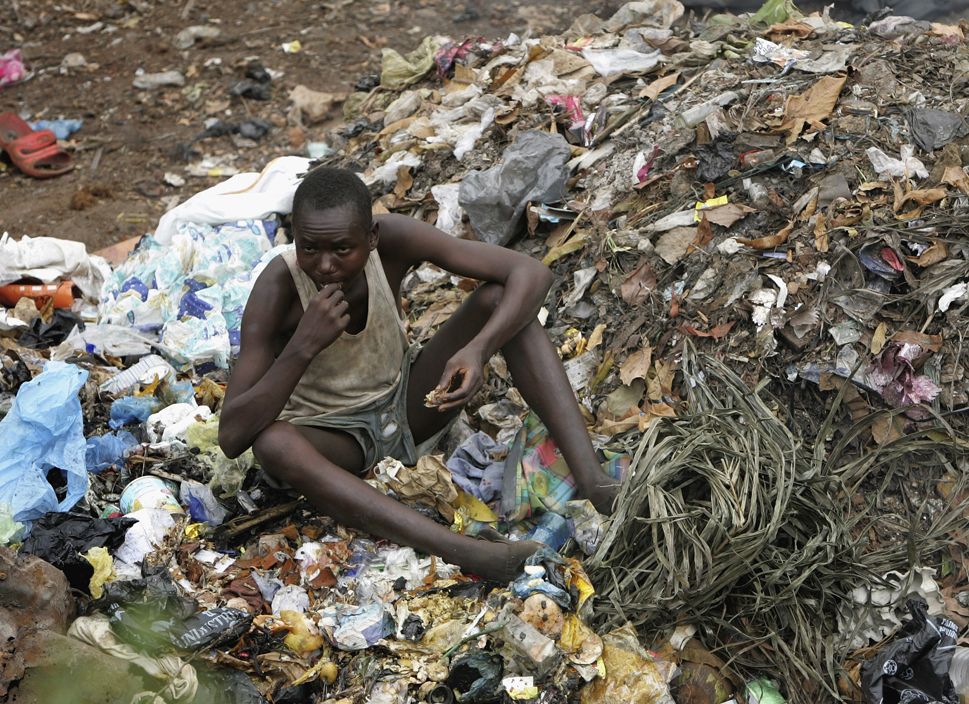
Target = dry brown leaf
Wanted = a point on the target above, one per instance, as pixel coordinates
(821, 234)
(636, 288)
(922, 198)
(727, 215)
(654, 411)
(933, 255)
(573, 245)
(704, 233)
(404, 182)
(771, 241)
(955, 176)
(662, 382)
(886, 430)
(792, 28)
(717, 333)
(929, 342)
(812, 106)
(595, 339)
(946, 30)
(878, 338)
(636, 365)
(653, 90)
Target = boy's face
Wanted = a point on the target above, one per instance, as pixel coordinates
(331, 246)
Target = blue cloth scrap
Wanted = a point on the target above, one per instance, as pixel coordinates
(475, 470)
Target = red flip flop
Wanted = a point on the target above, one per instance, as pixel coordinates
(34, 153)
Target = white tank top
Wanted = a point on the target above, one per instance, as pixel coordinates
(356, 370)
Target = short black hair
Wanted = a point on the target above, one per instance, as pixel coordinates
(325, 187)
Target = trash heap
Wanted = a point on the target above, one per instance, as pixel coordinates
(756, 226)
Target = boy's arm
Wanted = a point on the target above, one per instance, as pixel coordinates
(405, 242)
(261, 382)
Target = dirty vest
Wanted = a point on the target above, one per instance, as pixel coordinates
(355, 371)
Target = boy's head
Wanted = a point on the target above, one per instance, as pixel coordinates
(327, 188)
(333, 226)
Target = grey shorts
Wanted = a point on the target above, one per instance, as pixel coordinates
(381, 429)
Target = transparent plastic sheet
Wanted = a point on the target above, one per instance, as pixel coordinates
(533, 169)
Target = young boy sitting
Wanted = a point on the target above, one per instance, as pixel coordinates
(326, 383)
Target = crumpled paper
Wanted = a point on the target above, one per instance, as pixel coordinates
(876, 612)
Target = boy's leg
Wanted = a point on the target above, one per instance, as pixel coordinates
(299, 456)
(540, 377)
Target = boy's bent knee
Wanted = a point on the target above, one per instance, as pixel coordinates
(273, 441)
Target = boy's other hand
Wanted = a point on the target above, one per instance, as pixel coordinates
(462, 378)
(324, 321)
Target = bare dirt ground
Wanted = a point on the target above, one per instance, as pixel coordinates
(130, 137)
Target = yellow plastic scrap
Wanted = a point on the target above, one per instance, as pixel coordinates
(103, 565)
(580, 642)
(301, 639)
(194, 531)
(580, 580)
(475, 508)
(707, 204)
(397, 71)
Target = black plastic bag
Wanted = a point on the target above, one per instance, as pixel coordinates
(933, 129)
(915, 667)
(476, 677)
(714, 159)
(41, 335)
(62, 538)
(224, 685)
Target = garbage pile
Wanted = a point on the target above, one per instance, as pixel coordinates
(757, 229)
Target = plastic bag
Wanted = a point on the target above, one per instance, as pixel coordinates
(397, 71)
(533, 169)
(915, 667)
(356, 629)
(476, 676)
(112, 340)
(906, 167)
(103, 451)
(62, 539)
(41, 335)
(227, 475)
(132, 409)
(202, 504)
(103, 565)
(12, 69)
(43, 430)
(586, 525)
(608, 62)
(933, 129)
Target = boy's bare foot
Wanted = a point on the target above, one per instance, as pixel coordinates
(603, 496)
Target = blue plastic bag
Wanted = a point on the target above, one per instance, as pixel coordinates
(43, 430)
(132, 409)
(62, 129)
(202, 504)
(106, 450)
